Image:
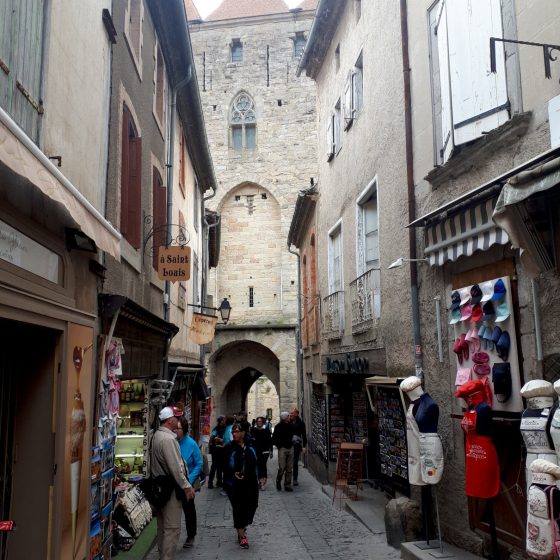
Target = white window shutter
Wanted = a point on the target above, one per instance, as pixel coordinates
(480, 101)
(441, 30)
(330, 137)
(357, 91)
(348, 102)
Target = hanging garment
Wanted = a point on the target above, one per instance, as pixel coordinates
(482, 471)
(542, 529)
(534, 430)
(555, 429)
(413, 447)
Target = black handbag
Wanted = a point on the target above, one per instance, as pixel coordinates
(158, 489)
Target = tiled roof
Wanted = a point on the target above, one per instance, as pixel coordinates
(231, 9)
(308, 5)
(192, 12)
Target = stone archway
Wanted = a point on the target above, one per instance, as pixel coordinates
(237, 363)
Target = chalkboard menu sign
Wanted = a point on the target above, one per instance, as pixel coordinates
(319, 435)
(336, 416)
(392, 434)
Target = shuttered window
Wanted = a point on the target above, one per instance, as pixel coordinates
(335, 261)
(468, 99)
(131, 181)
(159, 198)
(21, 37)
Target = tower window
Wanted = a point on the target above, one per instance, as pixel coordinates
(251, 296)
(243, 121)
(236, 50)
(299, 44)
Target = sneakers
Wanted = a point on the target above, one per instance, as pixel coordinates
(244, 542)
(278, 486)
(296, 483)
(288, 489)
(189, 543)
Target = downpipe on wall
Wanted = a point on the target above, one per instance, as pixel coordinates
(299, 343)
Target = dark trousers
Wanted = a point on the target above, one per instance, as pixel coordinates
(297, 453)
(244, 499)
(190, 517)
(261, 464)
(216, 469)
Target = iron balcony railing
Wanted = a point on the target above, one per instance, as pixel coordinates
(333, 316)
(362, 297)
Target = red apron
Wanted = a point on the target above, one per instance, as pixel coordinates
(482, 471)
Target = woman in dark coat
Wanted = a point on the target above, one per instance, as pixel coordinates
(263, 446)
(241, 482)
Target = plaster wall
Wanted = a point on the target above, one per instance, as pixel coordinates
(77, 90)
(372, 150)
(478, 163)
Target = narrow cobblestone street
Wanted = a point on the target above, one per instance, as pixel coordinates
(302, 525)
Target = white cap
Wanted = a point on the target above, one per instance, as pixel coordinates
(537, 388)
(465, 294)
(410, 383)
(487, 290)
(168, 412)
(284, 415)
(546, 467)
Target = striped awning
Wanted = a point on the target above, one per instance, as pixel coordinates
(463, 234)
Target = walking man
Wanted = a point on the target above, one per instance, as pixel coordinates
(282, 439)
(216, 448)
(299, 440)
(166, 460)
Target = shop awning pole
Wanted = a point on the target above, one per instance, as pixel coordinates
(537, 318)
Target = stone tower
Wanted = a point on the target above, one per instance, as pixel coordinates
(261, 126)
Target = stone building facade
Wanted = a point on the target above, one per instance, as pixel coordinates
(261, 127)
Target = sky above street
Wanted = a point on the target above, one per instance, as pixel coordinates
(205, 7)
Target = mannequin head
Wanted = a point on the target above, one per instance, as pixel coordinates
(412, 387)
(539, 393)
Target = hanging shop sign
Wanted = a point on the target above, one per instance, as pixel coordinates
(203, 328)
(174, 263)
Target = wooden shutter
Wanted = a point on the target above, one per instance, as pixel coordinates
(159, 197)
(348, 102)
(480, 101)
(330, 137)
(441, 30)
(125, 158)
(135, 192)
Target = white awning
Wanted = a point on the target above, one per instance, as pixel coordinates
(461, 235)
(23, 157)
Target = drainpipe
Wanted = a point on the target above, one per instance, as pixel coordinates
(299, 343)
(410, 189)
(170, 158)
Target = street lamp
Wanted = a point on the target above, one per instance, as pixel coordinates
(225, 310)
(401, 260)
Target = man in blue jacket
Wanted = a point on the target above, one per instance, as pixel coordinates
(193, 458)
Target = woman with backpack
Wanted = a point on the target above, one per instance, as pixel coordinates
(241, 482)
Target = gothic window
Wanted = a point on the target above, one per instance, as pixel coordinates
(236, 50)
(243, 123)
(299, 43)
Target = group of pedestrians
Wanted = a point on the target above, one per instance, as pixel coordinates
(240, 453)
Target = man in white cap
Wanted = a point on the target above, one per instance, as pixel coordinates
(166, 460)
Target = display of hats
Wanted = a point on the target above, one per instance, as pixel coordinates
(487, 290)
(488, 311)
(503, 345)
(466, 312)
(461, 348)
(537, 388)
(499, 291)
(455, 316)
(502, 312)
(476, 314)
(465, 294)
(455, 300)
(410, 383)
(473, 340)
(487, 339)
(501, 379)
(480, 358)
(470, 388)
(463, 375)
(476, 294)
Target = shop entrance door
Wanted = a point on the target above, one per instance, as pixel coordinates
(27, 366)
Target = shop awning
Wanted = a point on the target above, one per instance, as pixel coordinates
(461, 235)
(512, 215)
(382, 380)
(23, 157)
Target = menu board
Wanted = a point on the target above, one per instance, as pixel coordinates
(336, 424)
(392, 433)
(319, 434)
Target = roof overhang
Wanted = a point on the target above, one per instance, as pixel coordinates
(305, 206)
(170, 21)
(19, 154)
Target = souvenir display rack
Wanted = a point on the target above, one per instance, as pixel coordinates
(318, 437)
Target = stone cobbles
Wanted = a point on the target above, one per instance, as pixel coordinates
(301, 525)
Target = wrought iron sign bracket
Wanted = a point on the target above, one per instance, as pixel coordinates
(179, 237)
(546, 47)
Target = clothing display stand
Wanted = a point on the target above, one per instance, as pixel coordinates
(493, 533)
(435, 546)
